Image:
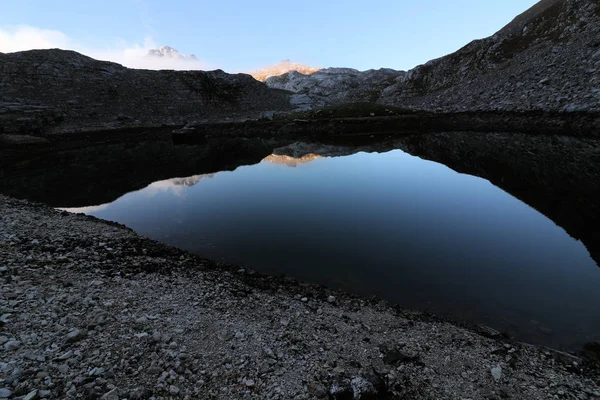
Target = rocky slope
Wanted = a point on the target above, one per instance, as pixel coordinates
(91, 310)
(334, 85)
(58, 91)
(282, 68)
(548, 58)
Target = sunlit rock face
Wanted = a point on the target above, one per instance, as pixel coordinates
(282, 68)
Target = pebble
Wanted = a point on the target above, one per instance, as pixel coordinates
(497, 373)
(33, 395)
(12, 345)
(65, 356)
(97, 371)
(75, 335)
(111, 395)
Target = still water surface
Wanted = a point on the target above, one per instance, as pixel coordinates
(412, 231)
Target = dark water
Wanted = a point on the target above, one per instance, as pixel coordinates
(411, 231)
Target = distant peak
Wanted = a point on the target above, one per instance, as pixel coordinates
(283, 67)
(169, 52)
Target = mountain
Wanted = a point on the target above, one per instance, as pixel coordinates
(334, 85)
(281, 68)
(166, 52)
(547, 58)
(55, 91)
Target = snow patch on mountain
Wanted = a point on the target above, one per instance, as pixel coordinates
(170, 53)
(166, 57)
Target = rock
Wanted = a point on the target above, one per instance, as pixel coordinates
(174, 390)
(111, 395)
(225, 335)
(65, 356)
(97, 371)
(249, 383)
(75, 335)
(269, 352)
(497, 373)
(5, 393)
(33, 395)
(12, 345)
(317, 390)
(363, 389)
(395, 356)
(304, 299)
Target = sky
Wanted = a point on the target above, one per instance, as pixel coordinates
(243, 36)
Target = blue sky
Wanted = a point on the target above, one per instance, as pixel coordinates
(246, 35)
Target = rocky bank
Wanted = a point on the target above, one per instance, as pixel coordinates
(91, 310)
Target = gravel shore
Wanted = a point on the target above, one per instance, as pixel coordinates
(89, 310)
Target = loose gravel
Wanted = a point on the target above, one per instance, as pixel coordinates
(91, 310)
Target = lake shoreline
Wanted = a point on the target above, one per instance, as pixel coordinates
(529, 165)
(90, 307)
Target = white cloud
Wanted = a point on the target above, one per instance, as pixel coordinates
(132, 55)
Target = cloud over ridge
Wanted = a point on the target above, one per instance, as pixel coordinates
(132, 55)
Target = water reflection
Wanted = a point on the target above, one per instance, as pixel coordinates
(409, 230)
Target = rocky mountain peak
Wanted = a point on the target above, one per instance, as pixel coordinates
(169, 52)
(281, 68)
